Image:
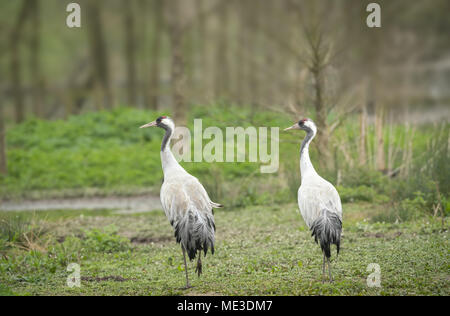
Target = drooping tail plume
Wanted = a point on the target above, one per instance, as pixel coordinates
(196, 232)
(326, 230)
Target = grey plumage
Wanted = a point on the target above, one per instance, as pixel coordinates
(326, 230)
(195, 234)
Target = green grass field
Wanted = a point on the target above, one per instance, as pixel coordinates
(259, 251)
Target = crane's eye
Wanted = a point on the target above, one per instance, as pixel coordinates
(159, 119)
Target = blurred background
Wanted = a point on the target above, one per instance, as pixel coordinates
(72, 98)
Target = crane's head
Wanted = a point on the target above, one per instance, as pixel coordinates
(305, 124)
(163, 122)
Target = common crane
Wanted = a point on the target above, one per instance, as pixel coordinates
(185, 202)
(318, 200)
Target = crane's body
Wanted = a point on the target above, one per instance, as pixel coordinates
(189, 211)
(318, 200)
(317, 195)
(185, 202)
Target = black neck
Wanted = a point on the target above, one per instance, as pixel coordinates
(306, 140)
(166, 137)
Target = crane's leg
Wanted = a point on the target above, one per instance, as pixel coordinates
(329, 270)
(323, 268)
(185, 268)
(323, 265)
(198, 269)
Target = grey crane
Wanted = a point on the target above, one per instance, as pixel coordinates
(318, 200)
(185, 202)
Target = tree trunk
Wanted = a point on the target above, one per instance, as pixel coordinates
(15, 64)
(321, 117)
(241, 54)
(158, 10)
(35, 63)
(130, 48)
(253, 43)
(177, 67)
(99, 55)
(206, 78)
(317, 65)
(221, 63)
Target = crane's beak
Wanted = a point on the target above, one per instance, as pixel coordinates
(149, 124)
(295, 126)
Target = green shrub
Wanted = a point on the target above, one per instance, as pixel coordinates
(404, 210)
(105, 240)
(361, 193)
(366, 177)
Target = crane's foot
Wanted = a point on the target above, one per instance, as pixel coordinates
(324, 276)
(186, 287)
(327, 279)
(329, 270)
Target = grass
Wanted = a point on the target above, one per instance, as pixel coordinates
(260, 250)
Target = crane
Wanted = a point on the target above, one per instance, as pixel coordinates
(318, 200)
(185, 202)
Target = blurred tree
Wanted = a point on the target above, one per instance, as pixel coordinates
(99, 55)
(318, 62)
(202, 51)
(253, 40)
(35, 62)
(158, 26)
(130, 48)
(222, 66)
(319, 51)
(175, 16)
(242, 52)
(15, 64)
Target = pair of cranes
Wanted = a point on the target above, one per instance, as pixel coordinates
(190, 210)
